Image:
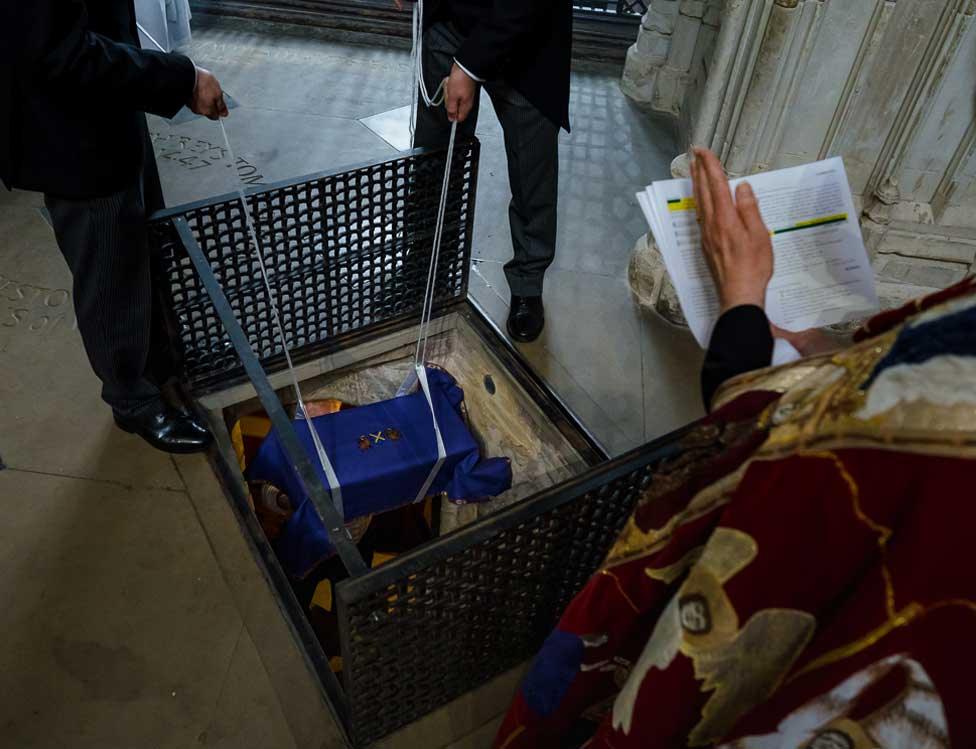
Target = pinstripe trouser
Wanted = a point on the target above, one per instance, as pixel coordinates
(105, 244)
(532, 148)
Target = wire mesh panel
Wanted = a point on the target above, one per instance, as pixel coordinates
(625, 8)
(431, 627)
(343, 252)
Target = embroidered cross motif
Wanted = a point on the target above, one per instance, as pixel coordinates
(367, 441)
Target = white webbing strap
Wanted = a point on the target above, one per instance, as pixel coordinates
(419, 371)
(441, 450)
(420, 354)
(330, 474)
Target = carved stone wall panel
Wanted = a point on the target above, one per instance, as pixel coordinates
(834, 63)
(736, 59)
(649, 54)
(779, 78)
(685, 41)
(921, 98)
(945, 125)
(889, 70)
(871, 39)
(701, 63)
(671, 50)
(959, 208)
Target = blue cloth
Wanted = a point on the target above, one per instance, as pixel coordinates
(916, 344)
(553, 671)
(382, 454)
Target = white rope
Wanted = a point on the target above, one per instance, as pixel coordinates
(420, 354)
(327, 467)
(427, 313)
(149, 37)
(419, 373)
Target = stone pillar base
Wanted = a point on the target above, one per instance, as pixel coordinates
(651, 285)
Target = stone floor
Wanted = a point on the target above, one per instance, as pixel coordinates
(123, 627)
(119, 627)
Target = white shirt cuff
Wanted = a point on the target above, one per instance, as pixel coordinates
(468, 73)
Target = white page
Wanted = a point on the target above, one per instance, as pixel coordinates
(822, 274)
(644, 201)
(680, 245)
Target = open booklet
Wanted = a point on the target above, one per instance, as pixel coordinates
(822, 275)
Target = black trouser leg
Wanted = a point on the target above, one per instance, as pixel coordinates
(161, 366)
(104, 243)
(433, 130)
(532, 148)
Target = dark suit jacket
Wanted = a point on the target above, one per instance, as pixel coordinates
(528, 43)
(74, 85)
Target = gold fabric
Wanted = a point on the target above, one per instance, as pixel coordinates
(740, 665)
(822, 399)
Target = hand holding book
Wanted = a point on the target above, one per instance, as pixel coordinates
(789, 241)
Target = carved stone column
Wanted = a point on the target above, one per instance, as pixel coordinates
(649, 53)
(661, 64)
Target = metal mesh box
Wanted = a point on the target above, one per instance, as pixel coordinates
(347, 255)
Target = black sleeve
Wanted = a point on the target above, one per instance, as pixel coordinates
(490, 42)
(741, 342)
(55, 50)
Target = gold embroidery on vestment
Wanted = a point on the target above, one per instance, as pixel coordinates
(821, 397)
(842, 733)
(518, 731)
(672, 572)
(741, 666)
(620, 589)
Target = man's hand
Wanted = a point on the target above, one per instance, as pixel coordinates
(398, 4)
(813, 342)
(737, 244)
(459, 92)
(208, 97)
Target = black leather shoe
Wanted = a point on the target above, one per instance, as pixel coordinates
(168, 429)
(526, 319)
